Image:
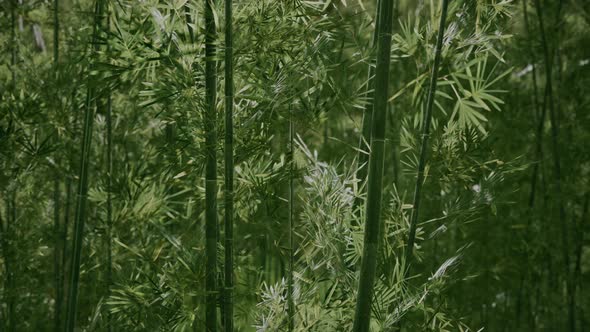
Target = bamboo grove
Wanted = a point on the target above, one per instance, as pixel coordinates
(294, 165)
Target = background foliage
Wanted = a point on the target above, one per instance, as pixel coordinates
(501, 238)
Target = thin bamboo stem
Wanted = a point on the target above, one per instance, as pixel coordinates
(82, 194)
(58, 269)
(229, 171)
(109, 184)
(362, 315)
(290, 298)
(364, 140)
(14, 48)
(557, 163)
(8, 268)
(109, 204)
(425, 135)
(210, 171)
(56, 255)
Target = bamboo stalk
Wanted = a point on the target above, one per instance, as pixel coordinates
(8, 292)
(56, 255)
(229, 171)
(557, 164)
(290, 299)
(539, 120)
(55, 31)
(58, 269)
(362, 315)
(364, 140)
(109, 204)
(210, 170)
(578, 282)
(14, 48)
(425, 135)
(109, 184)
(82, 193)
(11, 199)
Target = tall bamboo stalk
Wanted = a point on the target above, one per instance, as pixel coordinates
(55, 31)
(578, 282)
(8, 268)
(14, 48)
(11, 194)
(210, 170)
(364, 140)
(58, 269)
(82, 194)
(4, 248)
(362, 315)
(109, 235)
(229, 171)
(109, 203)
(56, 255)
(539, 121)
(290, 298)
(425, 135)
(557, 164)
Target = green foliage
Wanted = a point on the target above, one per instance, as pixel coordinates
(501, 239)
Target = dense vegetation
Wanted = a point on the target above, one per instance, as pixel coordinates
(294, 165)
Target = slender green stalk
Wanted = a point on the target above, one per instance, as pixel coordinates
(362, 315)
(82, 194)
(578, 282)
(56, 255)
(229, 171)
(557, 165)
(8, 271)
(14, 48)
(363, 150)
(109, 235)
(66, 223)
(189, 23)
(541, 120)
(425, 135)
(58, 269)
(4, 248)
(290, 299)
(55, 31)
(109, 204)
(11, 199)
(210, 170)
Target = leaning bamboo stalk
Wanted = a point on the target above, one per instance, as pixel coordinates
(362, 315)
(210, 171)
(425, 135)
(229, 172)
(82, 194)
